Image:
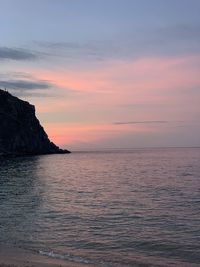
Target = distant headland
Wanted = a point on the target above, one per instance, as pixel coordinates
(20, 130)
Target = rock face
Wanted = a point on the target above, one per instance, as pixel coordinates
(20, 130)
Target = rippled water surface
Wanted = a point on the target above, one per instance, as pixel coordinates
(113, 208)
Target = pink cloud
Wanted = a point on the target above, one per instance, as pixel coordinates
(129, 77)
(99, 92)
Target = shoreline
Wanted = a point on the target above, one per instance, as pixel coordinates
(17, 257)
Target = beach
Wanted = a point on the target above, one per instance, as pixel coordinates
(17, 257)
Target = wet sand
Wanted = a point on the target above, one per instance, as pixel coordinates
(15, 257)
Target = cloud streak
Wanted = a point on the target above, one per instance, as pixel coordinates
(164, 41)
(17, 54)
(97, 50)
(139, 122)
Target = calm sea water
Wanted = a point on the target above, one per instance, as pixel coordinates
(113, 208)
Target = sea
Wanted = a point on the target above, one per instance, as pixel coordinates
(111, 208)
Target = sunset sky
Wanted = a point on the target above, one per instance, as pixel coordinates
(106, 73)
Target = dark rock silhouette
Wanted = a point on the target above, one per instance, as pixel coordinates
(20, 130)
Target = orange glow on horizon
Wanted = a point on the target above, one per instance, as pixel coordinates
(68, 134)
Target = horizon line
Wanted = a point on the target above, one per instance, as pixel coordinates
(132, 148)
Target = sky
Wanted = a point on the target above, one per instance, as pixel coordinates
(106, 74)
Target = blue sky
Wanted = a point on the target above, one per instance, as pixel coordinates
(24, 21)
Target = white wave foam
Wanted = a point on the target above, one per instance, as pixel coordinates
(64, 257)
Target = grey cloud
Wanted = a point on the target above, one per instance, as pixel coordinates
(24, 85)
(31, 94)
(140, 122)
(16, 54)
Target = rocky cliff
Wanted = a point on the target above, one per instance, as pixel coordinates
(20, 130)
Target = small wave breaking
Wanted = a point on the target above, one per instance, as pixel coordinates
(68, 257)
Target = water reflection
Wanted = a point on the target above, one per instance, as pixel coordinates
(20, 197)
